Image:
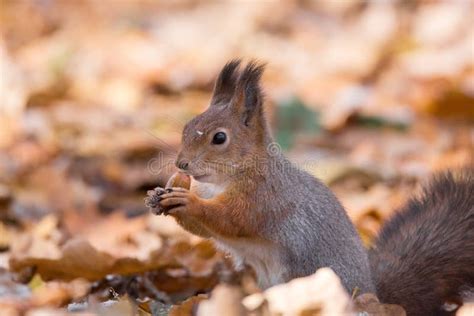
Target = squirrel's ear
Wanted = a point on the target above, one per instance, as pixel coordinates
(248, 97)
(226, 83)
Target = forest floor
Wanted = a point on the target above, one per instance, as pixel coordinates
(370, 97)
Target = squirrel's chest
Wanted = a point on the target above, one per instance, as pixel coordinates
(207, 190)
(262, 256)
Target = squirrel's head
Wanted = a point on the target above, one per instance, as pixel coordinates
(231, 132)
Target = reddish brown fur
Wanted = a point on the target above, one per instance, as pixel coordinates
(237, 100)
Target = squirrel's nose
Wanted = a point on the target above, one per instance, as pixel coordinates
(182, 164)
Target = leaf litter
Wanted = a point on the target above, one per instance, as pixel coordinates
(91, 115)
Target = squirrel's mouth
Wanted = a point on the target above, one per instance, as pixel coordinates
(200, 177)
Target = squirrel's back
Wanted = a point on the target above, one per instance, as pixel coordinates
(423, 258)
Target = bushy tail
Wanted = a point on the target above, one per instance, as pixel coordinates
(423, 257)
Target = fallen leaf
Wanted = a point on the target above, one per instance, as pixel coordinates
(321, 293)
(369, 304)
(224, 299)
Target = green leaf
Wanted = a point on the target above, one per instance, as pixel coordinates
(294, 118)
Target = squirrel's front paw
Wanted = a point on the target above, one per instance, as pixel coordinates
(153, 199)
(177, 200)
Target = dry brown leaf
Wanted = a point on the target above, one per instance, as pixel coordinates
(127, 248)
(48, 311)
(376, 199)
(225, 300)
(321, 293)
(59, 293)
(466, 310)
(368, 304)
(77, 258)
(19, 297)
(188, 307)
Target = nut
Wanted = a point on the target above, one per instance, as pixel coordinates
(179, 180)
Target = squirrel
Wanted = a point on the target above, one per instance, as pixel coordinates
(253, 203)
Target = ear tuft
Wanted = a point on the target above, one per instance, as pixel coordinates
(248, 90)
(226, 82)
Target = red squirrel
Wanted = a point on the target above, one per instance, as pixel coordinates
(253, 203)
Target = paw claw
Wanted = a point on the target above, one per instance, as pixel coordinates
(153, 198)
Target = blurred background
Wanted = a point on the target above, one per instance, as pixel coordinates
(370, 96)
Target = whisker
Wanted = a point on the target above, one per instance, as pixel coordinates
(166, 147)
(169, 163)
(160, 167)
(166, 152)
(178, 122)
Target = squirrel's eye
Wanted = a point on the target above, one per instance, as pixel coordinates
(219, 138)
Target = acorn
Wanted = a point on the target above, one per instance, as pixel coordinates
(180, 180)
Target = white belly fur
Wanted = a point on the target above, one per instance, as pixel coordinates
(261, 256)
(206, 190)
